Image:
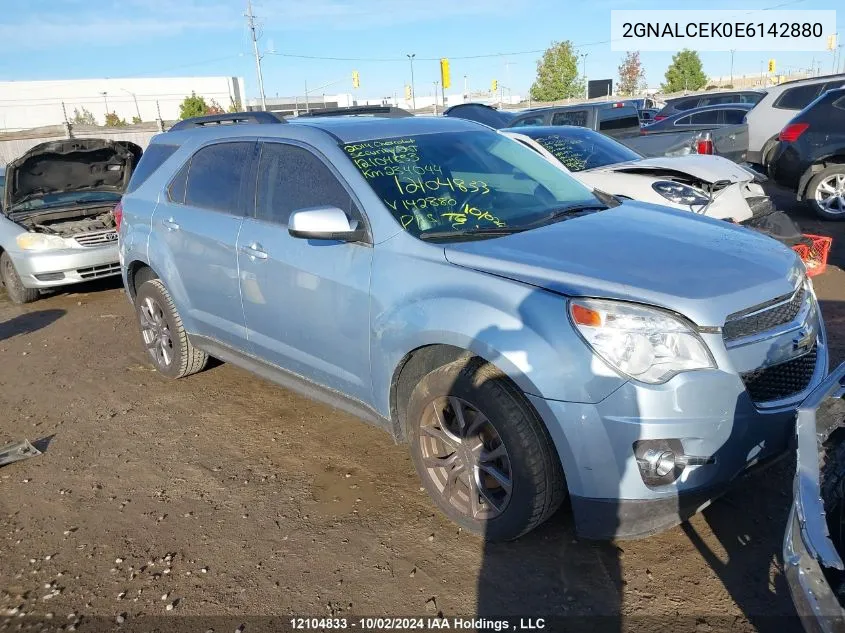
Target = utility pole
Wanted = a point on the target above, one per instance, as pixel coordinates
(306, 97)
(106, 101)
(410, 57)
(435, 97)
(584, 74)
(250, 20)
(466, 89)
(732, 67)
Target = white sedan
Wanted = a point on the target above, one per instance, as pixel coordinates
(708, 185)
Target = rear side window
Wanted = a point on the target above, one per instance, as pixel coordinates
(620, 123)
(839, 103)
(734, 117)
(177, 186)
(797, 98)
(216, 177)
(711, 117)
(292, 178)
(151, 160)
(572, 117)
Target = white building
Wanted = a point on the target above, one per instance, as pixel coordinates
(29, 104)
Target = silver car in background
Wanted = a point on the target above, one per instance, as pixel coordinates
(57, 225)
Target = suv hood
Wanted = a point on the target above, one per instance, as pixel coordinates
(702, 268)
(704, 167)
(88, 164)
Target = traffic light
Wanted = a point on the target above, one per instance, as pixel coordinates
(831, 42)
(444, 73)
(356, 81)
(494, 85)
(407, 93)
(771, 65)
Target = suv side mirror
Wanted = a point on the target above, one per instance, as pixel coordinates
(324, 223)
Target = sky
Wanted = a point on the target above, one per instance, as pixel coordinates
(484, 40)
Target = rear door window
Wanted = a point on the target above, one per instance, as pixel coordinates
(151, 160)
(797, 98)
(710, 117)
(217, 177)
(570, 117)
(734, 116)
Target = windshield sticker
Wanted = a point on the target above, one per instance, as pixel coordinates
(420, 192)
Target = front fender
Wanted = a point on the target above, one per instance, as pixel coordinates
(521, 329)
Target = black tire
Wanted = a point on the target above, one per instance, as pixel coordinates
(836, 213)
(172, 353)
(17, 292)
(537, 485)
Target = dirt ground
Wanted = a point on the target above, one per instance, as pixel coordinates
(224, 495)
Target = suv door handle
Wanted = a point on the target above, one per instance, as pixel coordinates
(255, 251)
(170, 224)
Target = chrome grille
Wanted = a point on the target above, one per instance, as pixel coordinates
(764, 317)
(783, 380)
(95, 272)
(96, 238)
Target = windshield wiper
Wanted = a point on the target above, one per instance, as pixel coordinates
(493, 231)
(562, 212)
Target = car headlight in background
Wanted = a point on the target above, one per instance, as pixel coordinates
(646, 344)
(680, 193)
(39, 241)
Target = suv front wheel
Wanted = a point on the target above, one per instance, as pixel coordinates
(481, 451)
(162, 332)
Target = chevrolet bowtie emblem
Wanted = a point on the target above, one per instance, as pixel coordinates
(804, 341)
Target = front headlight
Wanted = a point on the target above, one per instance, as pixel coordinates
(680, 193)
(646, 344)
(39, 241)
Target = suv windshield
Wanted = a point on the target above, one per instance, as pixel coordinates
(60, 199)
(579, 150)
(464, 182)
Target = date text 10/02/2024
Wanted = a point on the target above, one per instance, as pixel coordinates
(418, 624)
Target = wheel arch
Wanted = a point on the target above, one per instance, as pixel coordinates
(137, 272)
(818, 166)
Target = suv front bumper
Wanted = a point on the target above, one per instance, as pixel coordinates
(46, 269)
(709, 419)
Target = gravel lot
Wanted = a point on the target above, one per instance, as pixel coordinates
(223, 495)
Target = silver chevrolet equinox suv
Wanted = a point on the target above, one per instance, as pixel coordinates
(530, 339)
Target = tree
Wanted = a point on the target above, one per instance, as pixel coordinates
(83, 117)
(192, 106)
(214, 108)
(136, 119)
(557, 74)
(112, 120)
(631, 74)
(685, 72)
(235, 106)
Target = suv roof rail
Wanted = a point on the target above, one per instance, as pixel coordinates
(381, 111)
(233, 118)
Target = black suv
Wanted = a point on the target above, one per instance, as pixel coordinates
(810, 155)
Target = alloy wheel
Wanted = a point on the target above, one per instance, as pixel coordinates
(830, 194)
(156, 332)
(465, 458)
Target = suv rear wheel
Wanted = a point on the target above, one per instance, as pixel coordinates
(17, 292)
(162, 332)
(826, 193)
(482, 453)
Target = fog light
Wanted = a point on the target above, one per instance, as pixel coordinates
(661, 463)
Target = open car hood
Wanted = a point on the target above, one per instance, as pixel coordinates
(86, 164)
(704, 167)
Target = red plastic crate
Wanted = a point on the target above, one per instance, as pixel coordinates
(815, 256)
